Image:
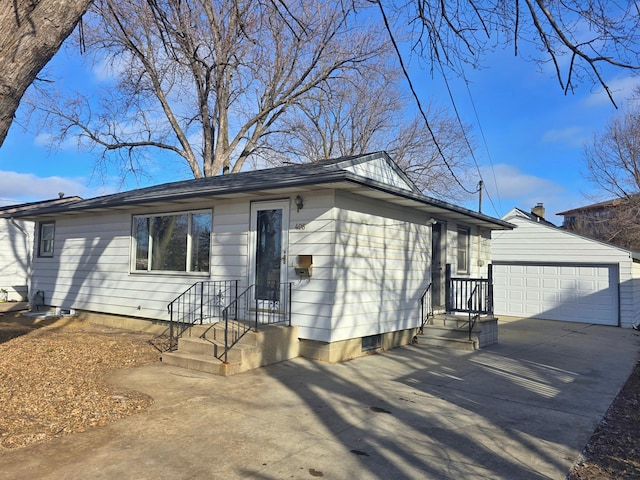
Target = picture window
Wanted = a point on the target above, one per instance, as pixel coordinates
(177, 242)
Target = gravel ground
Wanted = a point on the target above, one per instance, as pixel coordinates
(53, 383)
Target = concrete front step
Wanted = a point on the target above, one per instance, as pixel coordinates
(270, 344)
(201, 363)
(445, 332)
(450, 321)
(452, 331)
(215, 333)
(200, 346)
(444, 342)
(448, 333)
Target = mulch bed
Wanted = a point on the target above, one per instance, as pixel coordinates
(52, 377)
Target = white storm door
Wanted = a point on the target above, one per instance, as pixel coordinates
(268, 251)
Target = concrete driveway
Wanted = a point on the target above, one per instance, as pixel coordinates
(523, 408)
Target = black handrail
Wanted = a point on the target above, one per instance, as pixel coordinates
(201, 302)
(425, 305)
(471, 310)
(256, 305)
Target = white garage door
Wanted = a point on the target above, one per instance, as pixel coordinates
(574, 293)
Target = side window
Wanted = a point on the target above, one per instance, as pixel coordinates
(46, 231)
(463, 250)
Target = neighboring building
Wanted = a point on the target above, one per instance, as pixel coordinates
(589, 214)
(547, 272)
(354, 238)
(613, 221)
(16, 246)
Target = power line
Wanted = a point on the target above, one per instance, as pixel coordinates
(417, 99)
(486, 146)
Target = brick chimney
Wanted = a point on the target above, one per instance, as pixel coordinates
(538, 210)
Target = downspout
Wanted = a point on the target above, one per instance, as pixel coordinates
(29, 251)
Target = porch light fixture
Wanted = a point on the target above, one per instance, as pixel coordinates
(299, 203)
(432, 221)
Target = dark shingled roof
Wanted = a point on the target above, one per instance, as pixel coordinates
(26, 208)
(327, 173)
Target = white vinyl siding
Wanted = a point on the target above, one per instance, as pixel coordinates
(380, 171)
(16, 244)
(312, 232)
(90, 270)
(535, 243)
(381, 265)
(371, 263)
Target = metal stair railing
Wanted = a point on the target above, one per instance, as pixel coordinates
(426, 308)
(463, 289)
(473, 307)
(256, 305)
(202, 302)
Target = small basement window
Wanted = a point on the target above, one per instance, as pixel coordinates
(372, 342)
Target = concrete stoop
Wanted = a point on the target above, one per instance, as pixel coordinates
(199, 347)
(450, 331)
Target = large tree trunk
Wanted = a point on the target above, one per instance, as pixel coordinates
(32, 32)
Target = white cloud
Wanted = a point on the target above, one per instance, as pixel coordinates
(507, 187)
(26, 187)
(573, 135)
(108, 69)
(621, 90)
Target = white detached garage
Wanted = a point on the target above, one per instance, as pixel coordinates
(543, 271)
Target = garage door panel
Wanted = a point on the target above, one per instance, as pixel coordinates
(579, 293)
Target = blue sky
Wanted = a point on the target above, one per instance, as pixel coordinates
(530, 138)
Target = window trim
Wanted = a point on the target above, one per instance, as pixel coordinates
(466, 269)
(42, 252)
(134, 244)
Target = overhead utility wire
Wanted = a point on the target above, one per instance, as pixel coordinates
(466, 138)
(417, 99)
(486, 147)
(455, 109)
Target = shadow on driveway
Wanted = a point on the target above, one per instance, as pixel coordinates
(523, 408)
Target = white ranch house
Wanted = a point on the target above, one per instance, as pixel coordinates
(342, 250)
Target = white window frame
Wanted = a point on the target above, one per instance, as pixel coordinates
(463, 232)
(44, 249)
(188, 266)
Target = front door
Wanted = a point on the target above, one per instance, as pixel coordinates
(438, 249)
(268, 252)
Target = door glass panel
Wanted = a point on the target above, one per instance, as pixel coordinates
(268, 252)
